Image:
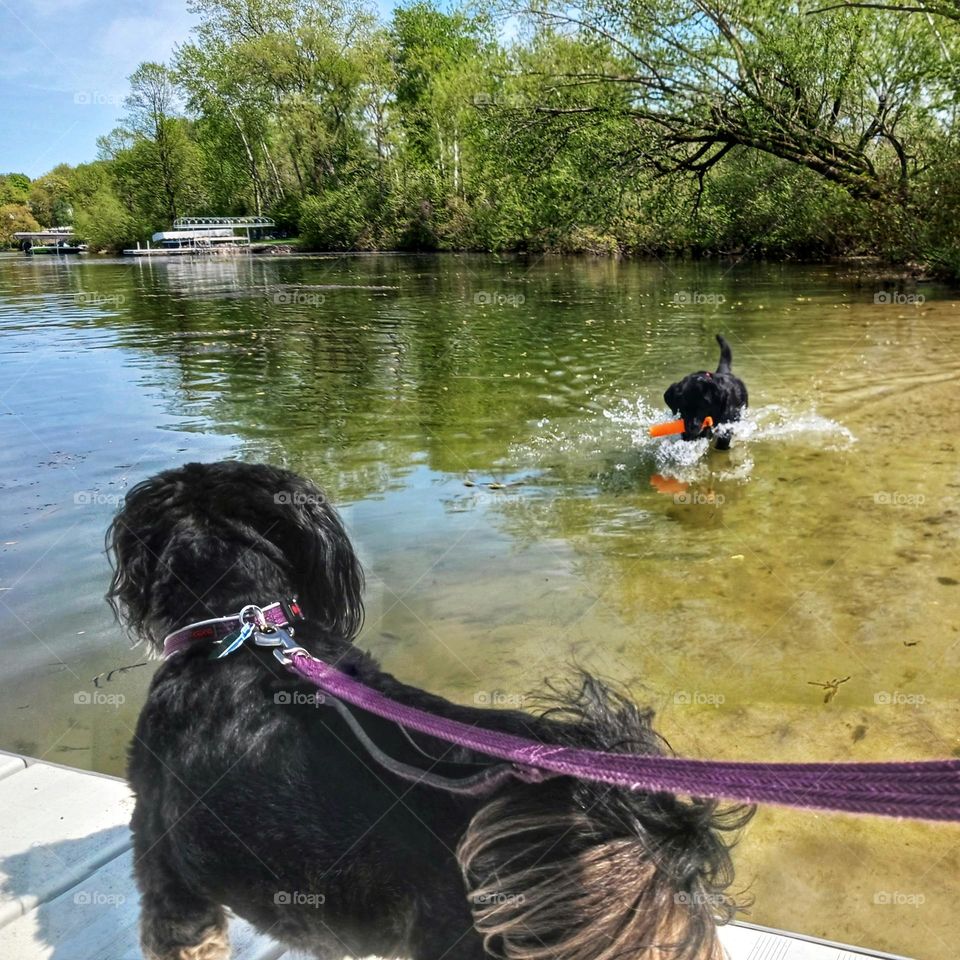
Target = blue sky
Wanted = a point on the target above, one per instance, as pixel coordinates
(63, 71)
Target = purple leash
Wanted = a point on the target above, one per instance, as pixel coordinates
(918, 790)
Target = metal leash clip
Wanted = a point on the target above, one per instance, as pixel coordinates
(253, 622)
(279, 637)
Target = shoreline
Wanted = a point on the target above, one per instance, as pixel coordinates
(868, 268)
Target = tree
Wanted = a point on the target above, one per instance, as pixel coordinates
(151, 115)
(433, 48)
(50, 197)
(14, 188)
(306, 63)
(15, 218)
(844, 95)
(236, 109)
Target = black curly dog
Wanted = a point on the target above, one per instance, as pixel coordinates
(703, 394)
(253, 795)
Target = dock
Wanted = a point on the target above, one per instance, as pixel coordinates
(67, 890)
(53, 240)
(197, 236)
(191, 250)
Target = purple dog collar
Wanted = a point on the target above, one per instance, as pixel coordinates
(278, 614)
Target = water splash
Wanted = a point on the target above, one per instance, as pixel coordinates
(622, 433)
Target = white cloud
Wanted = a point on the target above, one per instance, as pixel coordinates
(89, 49)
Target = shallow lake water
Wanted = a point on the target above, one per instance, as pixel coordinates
(483, 424)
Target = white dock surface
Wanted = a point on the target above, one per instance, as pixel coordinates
(67, 890)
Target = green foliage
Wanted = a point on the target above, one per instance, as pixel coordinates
(49, 198)
(15, 218)
(647, 127)
(335, 220)
(14, 188)
(105, 224)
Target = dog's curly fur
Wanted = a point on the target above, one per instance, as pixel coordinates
(703, 394)
(253, 796)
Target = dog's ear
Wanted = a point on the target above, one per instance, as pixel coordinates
(134, 544)
(322, 562)
(672, 397)
(712, 392)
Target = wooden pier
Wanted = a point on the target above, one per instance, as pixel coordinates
(67, 890)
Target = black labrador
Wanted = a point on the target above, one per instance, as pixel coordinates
(719, 395)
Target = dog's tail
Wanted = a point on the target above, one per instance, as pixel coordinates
(578, 871)
(726, 355)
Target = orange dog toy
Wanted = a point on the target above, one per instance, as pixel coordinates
(674, 426)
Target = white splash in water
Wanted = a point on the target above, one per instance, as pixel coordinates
(773, 422)
(777, 423)
(627, 427)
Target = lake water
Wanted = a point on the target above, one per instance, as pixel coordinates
(483, 425)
